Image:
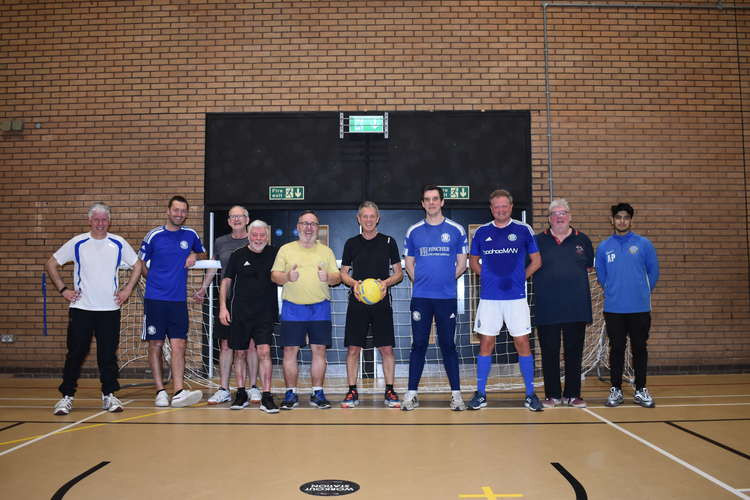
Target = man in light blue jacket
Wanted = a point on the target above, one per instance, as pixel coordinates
(627, 269)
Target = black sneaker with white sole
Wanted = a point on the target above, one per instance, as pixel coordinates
(267, 404)
(240, 400)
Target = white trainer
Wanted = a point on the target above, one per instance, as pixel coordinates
(410, 401)
(111, 403)
(254, 395)
(64, 406)
(162, 398)
(457, 401)
(220, 396)
(186, 398)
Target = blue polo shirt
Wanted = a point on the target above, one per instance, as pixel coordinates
(503, 251)
(561, 286)
(166, 251)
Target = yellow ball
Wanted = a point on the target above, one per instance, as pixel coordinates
(369, 291)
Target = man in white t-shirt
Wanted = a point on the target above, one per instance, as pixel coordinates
(95, 301)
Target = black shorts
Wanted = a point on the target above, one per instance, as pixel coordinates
(221, 332)
(242, 329)
(360, 316)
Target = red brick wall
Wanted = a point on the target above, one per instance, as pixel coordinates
(648, 105)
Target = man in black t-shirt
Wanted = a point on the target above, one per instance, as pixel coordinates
(252, 310)
(370, 255)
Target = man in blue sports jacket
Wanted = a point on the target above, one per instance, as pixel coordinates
(627, 269)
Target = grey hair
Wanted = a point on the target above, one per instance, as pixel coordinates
(368, 204)
(244, 210)
(99, 207)
(559, 202)
(257, 223)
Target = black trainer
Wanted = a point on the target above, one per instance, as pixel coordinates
(240, 400)
(267, 404)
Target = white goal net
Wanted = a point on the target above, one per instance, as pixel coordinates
(202, 366)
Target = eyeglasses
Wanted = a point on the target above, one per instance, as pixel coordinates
(559, 213)
(237, 217)
(308, 224)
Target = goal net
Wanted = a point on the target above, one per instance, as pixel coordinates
(202, 366)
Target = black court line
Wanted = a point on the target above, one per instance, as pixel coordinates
(578, 488)
(66, 487)
(11, 426)
(709, 440)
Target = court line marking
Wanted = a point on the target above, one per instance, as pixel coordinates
(34, 439)
(12, 425)
(207, 407)
(578, 488)
(665, 453)
(60, 493)
(709, 440)
(69, 428)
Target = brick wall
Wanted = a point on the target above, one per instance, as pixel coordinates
(648, 105)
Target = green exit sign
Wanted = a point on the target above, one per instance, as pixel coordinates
(456, 192)
(371, 124)
(286, 193)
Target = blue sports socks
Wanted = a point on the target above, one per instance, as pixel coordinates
(526, 364)
(484, 363)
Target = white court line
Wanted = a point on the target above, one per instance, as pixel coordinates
(52, 433)
(55, 431)
(424, 408)
(708, 396)
(701, 473)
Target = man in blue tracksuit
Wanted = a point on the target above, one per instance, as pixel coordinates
(627, 269)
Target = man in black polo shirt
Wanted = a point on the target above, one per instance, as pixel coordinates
(252, 311)
(563, 303)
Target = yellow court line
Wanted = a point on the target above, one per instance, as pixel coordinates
(21, 440)
(488, 494)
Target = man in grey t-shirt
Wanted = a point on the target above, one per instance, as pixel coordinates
(238, 219)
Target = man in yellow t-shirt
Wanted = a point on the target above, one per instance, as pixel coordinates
(306, 269)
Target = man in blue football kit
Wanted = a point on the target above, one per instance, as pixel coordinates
(498, 255)
(434, 257)
(169, 251)
(627, 269)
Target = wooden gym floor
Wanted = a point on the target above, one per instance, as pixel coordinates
(694, 444)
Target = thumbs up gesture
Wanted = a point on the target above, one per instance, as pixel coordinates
(322, 274)
(294, 274)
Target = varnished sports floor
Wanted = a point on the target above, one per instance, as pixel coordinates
(694, 444)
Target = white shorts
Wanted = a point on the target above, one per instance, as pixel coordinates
(491, 314)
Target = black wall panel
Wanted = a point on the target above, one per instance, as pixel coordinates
(246, 153)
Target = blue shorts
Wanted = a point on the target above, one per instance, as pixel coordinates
(295, 333)
(300, 322)
(164, 318)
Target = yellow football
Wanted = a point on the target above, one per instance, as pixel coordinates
(369, 291)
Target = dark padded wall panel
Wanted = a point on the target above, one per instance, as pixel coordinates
(246, 153)
(482, 150)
